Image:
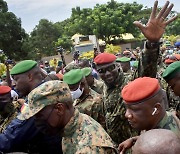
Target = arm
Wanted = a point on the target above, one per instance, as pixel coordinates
(124, 146)
(16, 134)
(153, 31)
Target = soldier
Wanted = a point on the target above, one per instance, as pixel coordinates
(85, 99)
(126, 67)
(172, 77)
(114, 79)
(22, 135)
(159, 141)
(96, 85)
(8, 109)
(145, 108)
(52, 105)
(125, 64)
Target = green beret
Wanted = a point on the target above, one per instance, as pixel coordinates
(23, 67)
(73, 76)
(86, 71)
(171, 70)
(123, 59)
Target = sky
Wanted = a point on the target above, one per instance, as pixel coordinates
(31, 11)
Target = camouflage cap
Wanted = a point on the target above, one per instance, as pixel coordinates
(46, 94)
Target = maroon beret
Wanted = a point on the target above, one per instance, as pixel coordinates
(4, 90)
(104, 58)
(140, 90)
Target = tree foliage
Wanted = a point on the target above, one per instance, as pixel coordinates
(11, 33)
(42, 39)
(106, 21)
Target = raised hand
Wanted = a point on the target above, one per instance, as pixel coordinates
(156, 25)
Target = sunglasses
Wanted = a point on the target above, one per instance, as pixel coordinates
(109, 69)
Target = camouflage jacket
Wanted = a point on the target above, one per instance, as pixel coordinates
(83, 134)
(169, 122)
(5, 121)
(116, 124)
(173, 100)
(98, 86)
(92, 105)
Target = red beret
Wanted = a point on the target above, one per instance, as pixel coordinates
(140, 90)
(104, 58)
(169, 61)
(4, 90)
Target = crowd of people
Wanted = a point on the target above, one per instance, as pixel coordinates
(125, 103)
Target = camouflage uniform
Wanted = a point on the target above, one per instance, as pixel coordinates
(174, 101)
(129, 74)
(98, 86)
(14, 109)
(169, 122)
(116, 123)
(82, 134)
(92, 105)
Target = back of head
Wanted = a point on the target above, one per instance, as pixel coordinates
(159, 141)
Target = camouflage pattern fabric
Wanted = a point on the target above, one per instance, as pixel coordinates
(174, 101)
(98, 86)
(83, 134)
(48, 93)
(129, 75)
(92, 105)
(169, 122)
(116, 123)
(14, 109)
(71, 66)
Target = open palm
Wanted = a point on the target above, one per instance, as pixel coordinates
(156, 25)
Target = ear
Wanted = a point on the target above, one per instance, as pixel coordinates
(60, 109)
(30, 77)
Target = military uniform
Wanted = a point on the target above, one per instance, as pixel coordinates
(82, 134)
(98, 86)
(169, 122)
(170, 72)
(14, 109)
(92, 105)
(116, 123)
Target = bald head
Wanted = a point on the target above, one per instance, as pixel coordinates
(159, 141)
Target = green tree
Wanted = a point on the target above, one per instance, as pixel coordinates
(106, 20)
(173, 28)
(11, 33)
(64, 42)
(42, 39)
